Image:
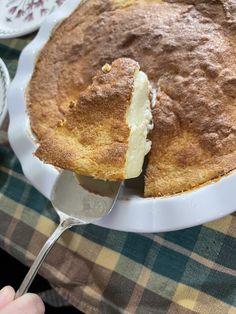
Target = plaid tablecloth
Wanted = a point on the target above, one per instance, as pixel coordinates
(104, 271)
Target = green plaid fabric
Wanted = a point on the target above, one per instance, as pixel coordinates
(104, 271)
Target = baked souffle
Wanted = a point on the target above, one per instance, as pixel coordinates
(188, 51)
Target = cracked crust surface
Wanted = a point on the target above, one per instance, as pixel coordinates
(187, 49)
(93, 138)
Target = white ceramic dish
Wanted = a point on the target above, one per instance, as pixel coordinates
(4, 82)
(132, 212)
(19, 17)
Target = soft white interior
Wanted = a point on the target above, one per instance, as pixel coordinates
(139, 119)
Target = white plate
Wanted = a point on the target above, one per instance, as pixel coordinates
(4, 82)
(132, 212)
(21, 17)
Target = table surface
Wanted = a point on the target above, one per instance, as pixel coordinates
(105, 271)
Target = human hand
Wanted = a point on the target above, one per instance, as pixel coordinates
(28, 303)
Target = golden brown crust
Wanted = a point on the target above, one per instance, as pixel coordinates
(93, 138)
(188, 52)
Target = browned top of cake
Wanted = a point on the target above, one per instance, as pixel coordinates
(94, 137)
(187, 48)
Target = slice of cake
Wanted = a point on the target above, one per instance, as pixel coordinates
(104, 134)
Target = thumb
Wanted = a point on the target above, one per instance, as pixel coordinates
(28, 304)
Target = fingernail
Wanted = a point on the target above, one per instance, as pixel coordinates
(6, 290)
